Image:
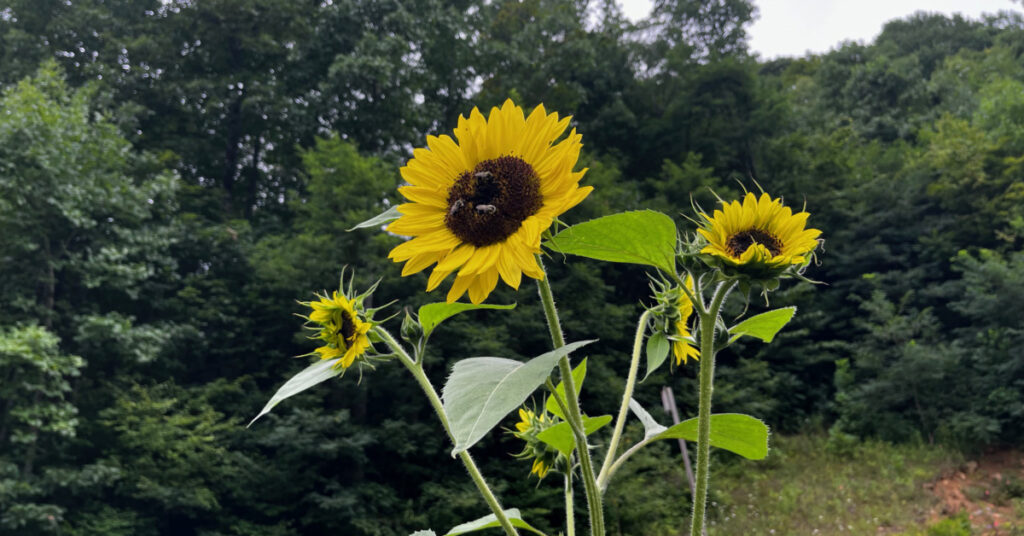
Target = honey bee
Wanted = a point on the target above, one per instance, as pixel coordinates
(455, 207)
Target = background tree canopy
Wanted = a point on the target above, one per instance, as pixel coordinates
(174, 175)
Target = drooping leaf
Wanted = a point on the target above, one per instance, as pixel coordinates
(387, 216)
(312, 375)
(735, 432)
(658, 347)
(561, 437)
(578, 375)
(491, 521)
(763, 326)
(637, 237)
(651, 426)
(433, 314)
(482, 390)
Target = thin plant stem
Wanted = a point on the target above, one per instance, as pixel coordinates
(570, 516)
(416, 368)
(707, 374)
(574, 414)
(627, 394)
(621, 460)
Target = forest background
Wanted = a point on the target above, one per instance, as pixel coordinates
(174, 175)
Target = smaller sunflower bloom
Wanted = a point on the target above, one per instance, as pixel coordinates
(341, 329)
(681, 347)
(544, 456)
(759, 237)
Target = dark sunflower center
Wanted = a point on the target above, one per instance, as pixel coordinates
(489, 203)
(348, 327)
(740, 242)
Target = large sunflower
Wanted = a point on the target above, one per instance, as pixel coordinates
(343, 333)
(479, 205)
(759, 233)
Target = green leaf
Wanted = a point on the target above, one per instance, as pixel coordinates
(658, 347)
(387, 216)
(424, 533)
(741, 434)
(433, 314)
(763, 326)
(651, 426)
(561, 437)
(578, 375)
(637, 237)
(482, 390)
(316, 373)
(491, 521)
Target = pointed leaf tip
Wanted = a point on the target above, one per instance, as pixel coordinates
(387, 216)
(312, 375)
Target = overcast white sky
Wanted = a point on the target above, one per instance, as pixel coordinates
(794, 27)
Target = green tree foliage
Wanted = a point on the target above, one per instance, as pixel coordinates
(35, 415)
(287, 121)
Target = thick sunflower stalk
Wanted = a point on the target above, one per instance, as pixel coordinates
(478, 205)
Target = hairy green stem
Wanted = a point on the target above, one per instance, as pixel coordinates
(574, 414)
(416, 368)
(627, 394)
(707, 374)
(570, 516)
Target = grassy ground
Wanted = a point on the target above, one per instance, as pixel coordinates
(813, 485)
(810, 485)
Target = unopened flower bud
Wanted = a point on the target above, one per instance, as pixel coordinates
(412, 331)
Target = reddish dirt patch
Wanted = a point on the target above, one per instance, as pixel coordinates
(980, 488)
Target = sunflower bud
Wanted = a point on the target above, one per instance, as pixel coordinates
(544, 456)
(412, 331)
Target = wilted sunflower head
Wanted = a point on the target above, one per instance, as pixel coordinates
(759, 237)
(479, 205)
(544, 456)
(339, 327)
